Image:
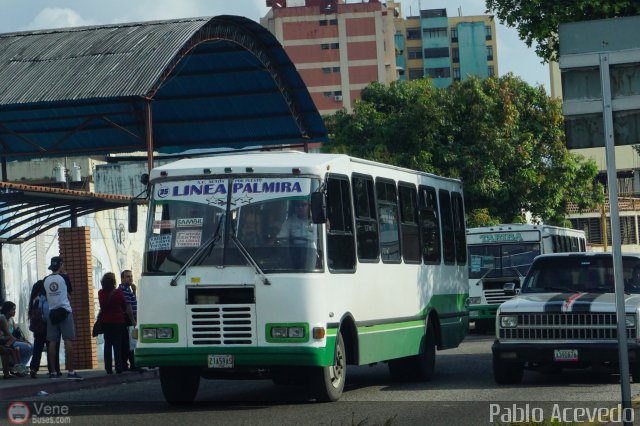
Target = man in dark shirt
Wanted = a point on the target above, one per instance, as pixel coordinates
(127, 287)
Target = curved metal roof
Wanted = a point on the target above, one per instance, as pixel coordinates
(200, 83)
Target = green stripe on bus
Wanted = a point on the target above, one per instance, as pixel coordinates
(243, 356)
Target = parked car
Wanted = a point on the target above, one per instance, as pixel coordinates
(565, 317)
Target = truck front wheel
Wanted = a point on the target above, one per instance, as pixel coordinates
(507, 373)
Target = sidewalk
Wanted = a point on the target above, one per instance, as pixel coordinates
(26, 386)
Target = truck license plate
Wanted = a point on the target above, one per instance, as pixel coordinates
(570, 355)
(220, 361)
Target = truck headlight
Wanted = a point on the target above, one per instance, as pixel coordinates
(508, 321)
(630, 321)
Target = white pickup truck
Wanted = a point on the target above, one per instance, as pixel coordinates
(565, 317)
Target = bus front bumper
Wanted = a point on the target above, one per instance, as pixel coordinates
(482, 312)
(254, 357)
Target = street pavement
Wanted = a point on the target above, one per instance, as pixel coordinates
(21, 387)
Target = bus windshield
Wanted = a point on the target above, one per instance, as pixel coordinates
(501, 260)
(269, 217)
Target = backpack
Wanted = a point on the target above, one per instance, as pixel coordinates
(38, 315)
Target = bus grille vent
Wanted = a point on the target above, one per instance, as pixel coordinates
(222, 325)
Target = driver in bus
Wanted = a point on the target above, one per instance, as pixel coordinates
(297, 229)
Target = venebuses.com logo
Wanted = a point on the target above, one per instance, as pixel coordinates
(19, 413)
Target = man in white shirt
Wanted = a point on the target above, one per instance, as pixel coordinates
(298, 228)
(58, 286)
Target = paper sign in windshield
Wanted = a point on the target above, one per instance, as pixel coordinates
(160, 242)
(190, 221)
(188, 238)
(163, 224)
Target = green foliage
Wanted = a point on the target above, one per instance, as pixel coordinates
(502, 137)
(538, 20)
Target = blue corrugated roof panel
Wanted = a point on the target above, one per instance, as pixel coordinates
(209, 82)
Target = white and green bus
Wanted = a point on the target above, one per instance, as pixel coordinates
(500, 256)
(291, 266)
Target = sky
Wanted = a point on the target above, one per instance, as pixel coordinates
(24, 15)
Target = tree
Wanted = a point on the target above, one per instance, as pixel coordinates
(538, 20)
(501, 136)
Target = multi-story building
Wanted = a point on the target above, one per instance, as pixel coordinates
(597, 223)
(338, 48)
(446, 49)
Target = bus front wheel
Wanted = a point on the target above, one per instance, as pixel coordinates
(328, 382)
(179, 384)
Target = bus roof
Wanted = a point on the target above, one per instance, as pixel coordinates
(271, 163)
(522, 227)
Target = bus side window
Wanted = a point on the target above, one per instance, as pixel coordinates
(458, 228)
(388, 221)
(429, 225)
(366, 220)
(341, 248)
(409, 223)
(556, 244)
(448, 248)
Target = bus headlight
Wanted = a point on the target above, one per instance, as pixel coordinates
(508, 321)
(475, 300)
(158, 333)
(630, 321)
(293, 332)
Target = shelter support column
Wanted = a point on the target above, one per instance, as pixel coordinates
(75, 249)
(148, 124)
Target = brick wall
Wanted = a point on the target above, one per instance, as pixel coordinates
(75, 249)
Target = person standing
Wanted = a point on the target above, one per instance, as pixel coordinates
(128, 289)
(58, 287)
(38, 313)
(113, 308)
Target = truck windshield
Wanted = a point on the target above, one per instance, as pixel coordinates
(269, 216)
(581, 274)
(501, 260)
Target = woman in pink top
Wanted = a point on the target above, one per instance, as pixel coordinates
(113, 308)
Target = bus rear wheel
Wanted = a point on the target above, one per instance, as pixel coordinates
(418, 367)
(179, 384)
(327, 383)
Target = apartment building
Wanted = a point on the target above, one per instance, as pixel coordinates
(447, 49)
(338, 48)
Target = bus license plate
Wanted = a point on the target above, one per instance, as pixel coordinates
(564, 355)
(220, 361)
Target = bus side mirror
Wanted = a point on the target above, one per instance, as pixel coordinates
(133, 217)
(318, 207)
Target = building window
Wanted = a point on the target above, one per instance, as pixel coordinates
(455, 55)
(333, 22)
(415, 74)
(436, 52)
(335, 45)
(413, 34)
(326, 70)
(336, 69)
(438, 72)
(491, 71)
(327, 94)
(489, 53)
(324, 46)
(323, 23)
(415, 53)
(454, 35)
(337, 93)
(440, 32)
(487, 33)
(456, 74)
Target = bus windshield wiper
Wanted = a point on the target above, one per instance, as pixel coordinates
(247, 256)
(209, 244)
